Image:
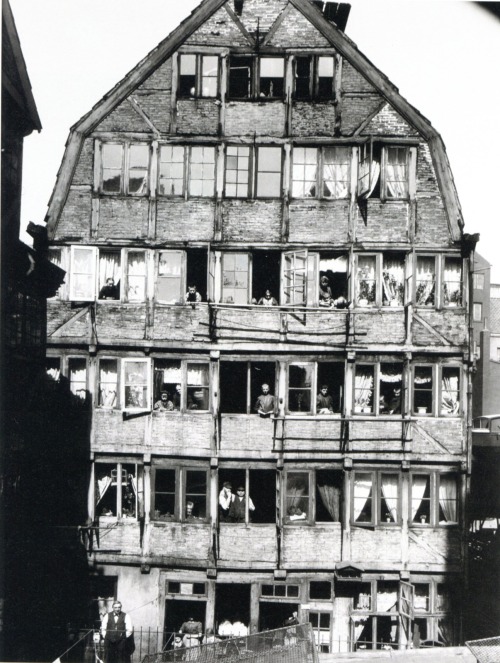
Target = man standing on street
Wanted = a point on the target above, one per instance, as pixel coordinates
(117, 630)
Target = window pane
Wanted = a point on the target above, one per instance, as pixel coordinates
(363, 497)
(320, 590)
(452, 282)
(396, 172)
(393, 281)
(389, 498)
(136, 384)
(168, 377)
(77, 373)
(390, 384)
(164, 495)
(197, 386)
(271, 77)
(295, 277)
(196, 493)
(325, 77)
(269, 172)
(112, 164)
(297, 496)
(108, 382)
(202, 175)
(240, 77)
(366, 281)
(425, 281)
(336, 172)
(82, 274)
(106, 489)
(171, 175)
(450, 390)
(237, 169)
(447, 499)
(138, 157)
(421, 499)
(187, 75)
(169, 283)
(109, 274)
(136, 269)
(421, 598)
(129, 491)
(300, 387)
(304, 171)
(303, 70)
(209, 75)
(363, 388)
(423, 390)
(235, 267)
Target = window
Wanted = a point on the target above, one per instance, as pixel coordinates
(108, 383)
(136, 380)
(320, 590)
(184, 168)
(380, 280)
(425, 281)
(280, 590)
(176, 271)
(449, 379)
(237, 171)
(268, 183)
(386, 172)
(377, 388)
(270, 82)
(312, 496)
(187, 588)
(477, 312)
(376, 498)
(118, 489)
(53, 367)
(240, 76)
(321, 625)
(136, 276)
(180, 494)
(314, 77)
(241, 385)
(109, 274)
(198, 75)
(272, 77)
(434, 499)
(55, 257)
(452, 282)
(77, 374)
(187, 384)
(236, 278)
(315, 388)
(83, 265)
(124, 168)
(477, 281)
(253, 495)
(321, 172)
(378, 627)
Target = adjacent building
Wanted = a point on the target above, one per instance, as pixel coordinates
(268, 287)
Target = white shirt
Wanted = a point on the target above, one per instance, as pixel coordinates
(111, 615)
(225, 498)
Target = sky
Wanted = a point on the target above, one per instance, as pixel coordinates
(443, 55)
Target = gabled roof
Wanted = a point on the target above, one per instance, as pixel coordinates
(170, 44)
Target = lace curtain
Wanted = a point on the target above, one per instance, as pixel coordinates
(102, 486)
(425, 281)
(136, 277)
(390, 494)
(330, 496)
(109, 267)
(448, 498)
(396, 180)
(449, 395)
(393, 282)
(336, 172)
(363, 383)
(452, 282)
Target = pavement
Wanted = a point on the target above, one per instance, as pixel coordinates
(432, 655)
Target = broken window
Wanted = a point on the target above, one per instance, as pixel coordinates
(180, 494)
(136, 393)
(108, 383)
(241, 385)
(237, 171)
(202, 171)
(253, 495)
(272, 77)
(187, 383)
(171, 170)
(124, 168)
(314, 77)
(118, 489)
(77, 374)
(240, 76)
(321, 626)
(268, 183)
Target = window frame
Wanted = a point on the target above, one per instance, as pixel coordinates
(314, 91)
(320, 181)
(116, 405)
(124, 384)
(314, 388)
(374, 408)
(434, 481)
(83, 359)
(437, 375)
(323, 647)
(184, 362)
(311, 518)
(255, 84)
(376, 498)
(125, 168)
(377, 295)
(180, 495)
(198, 76)
(440, 282)
(139, 492)
(477, 312)
(263, 173)
(250, 400)
(373, 165)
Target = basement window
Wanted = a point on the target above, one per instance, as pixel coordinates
(180, 494)
(198, 75)
(187, 384)
(314, 77)
(124, 168)
(241, 385)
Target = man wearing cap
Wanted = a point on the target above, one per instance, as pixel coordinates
(237, 509)
(116, 629)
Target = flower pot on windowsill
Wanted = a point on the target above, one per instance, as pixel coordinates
(422, 410)
(423, 520)
(363, 302)
(366, 410)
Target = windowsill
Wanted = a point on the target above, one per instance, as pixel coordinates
(197, 98)
(263, 100)
(377, 526)
(118, 519)
(311, 415)
(120, 194)
(309, 523)
(194, 521)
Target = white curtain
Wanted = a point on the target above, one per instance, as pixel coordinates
(396, 180)
(393, 281)
(390, 486)
(359, 626)
(363, 383)
(103, 485)
(108, 381)
(197, 376)
(419, 484)
(78, 381)
(449, 395)
(452, 282)
(336, 172)
(425, 280)
(362, 492)
(136, 277)
(109, 268)
(448, 498)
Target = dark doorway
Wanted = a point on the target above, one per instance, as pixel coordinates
(232, 602)
(274, 615)
(179, 611)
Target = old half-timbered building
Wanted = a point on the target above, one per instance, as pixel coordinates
(257, 149)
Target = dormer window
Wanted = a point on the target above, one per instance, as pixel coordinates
(198, 75)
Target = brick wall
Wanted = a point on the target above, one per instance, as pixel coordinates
(247, 546)
(123, 217)
(251, 220)
(265, 118)
(198, 116)
(317, 547)
(191, 542)
(318, 220)
(185, 220)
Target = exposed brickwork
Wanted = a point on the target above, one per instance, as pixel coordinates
(75, 217)
(198, 116)
(245, 545)
(219, 30)
(243, 221)
(353, 81)
(317, 547)
(124, 118)
(84, 172)
(388, 123)
(261, 118)
(180, 220)
(385, 221)
(123, 217)
(313, 119)
(175, 540)
(296, 28)
(428, 546)
(327, 220)
(375, 547)
(355, 110)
